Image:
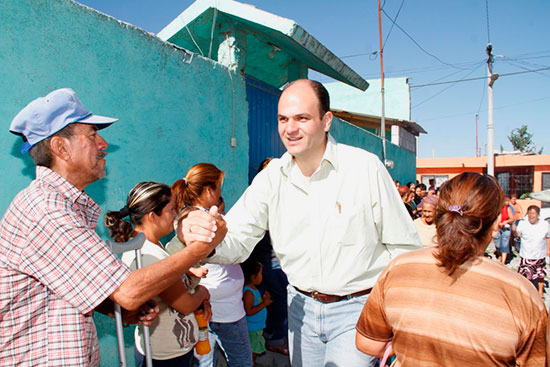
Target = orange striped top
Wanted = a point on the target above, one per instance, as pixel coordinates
(482, 315)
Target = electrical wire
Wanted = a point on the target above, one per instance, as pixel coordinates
(193, 39)
(212, 32)
(482, 98)
(417, 44)
(524, 68)
(487, 11)
(443, 90)
(479, 78)
(393, 23)
(470, 113)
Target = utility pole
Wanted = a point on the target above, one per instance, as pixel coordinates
(387, 162)
(490, 124)
(383, 117)
(477, 137)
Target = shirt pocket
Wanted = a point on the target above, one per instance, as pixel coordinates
(349, 225)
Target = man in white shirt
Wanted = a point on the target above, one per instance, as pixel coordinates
(335, 221)
(535, 246)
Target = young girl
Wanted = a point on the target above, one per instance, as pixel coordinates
(254, 306)
(201, 188)
(150, 207)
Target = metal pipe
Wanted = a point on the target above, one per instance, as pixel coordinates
(383, 117)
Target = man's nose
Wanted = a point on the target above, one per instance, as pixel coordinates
(292, 125)
(101, 143)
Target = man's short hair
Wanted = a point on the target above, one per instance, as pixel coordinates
(535, 208)
(41, 153)
(320, 92)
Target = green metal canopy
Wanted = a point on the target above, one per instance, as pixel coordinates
(276, 49)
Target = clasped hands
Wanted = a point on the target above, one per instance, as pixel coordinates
(200, 229)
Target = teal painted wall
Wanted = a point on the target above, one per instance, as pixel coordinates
(404, 168)
(172, 114)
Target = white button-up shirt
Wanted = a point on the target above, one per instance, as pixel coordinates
(333, 232)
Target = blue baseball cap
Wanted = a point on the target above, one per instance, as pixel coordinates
(47, 115)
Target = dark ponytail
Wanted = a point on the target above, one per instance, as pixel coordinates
(144, 198)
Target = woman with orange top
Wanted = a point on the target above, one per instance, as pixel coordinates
(449, 305)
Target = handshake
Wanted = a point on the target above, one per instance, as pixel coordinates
(200, 229)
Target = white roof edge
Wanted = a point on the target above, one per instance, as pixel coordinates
(285, 26)
(245, 11)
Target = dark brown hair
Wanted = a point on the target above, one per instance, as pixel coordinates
(200, 176)
(468, 206)
(144, 198)
(41, 153)
(250, 268)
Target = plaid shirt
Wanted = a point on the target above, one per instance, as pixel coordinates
(54, 270)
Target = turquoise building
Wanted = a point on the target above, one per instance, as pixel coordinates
(176, 107)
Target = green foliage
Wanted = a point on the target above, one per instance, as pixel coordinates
(522, 140)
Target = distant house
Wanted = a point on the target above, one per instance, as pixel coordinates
(364, 109)
(516, 173)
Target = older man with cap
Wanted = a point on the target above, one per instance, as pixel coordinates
(54, 269)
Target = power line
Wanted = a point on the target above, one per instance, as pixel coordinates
(487, 12)
(393, 23)
(471, 113)
(441, 91)
(417, 44)
(479, 78)
(482, 98)
(524, 68)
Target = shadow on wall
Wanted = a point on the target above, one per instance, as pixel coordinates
(29, 169)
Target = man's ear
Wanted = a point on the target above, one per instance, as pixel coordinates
(327, 120)
(59, 147)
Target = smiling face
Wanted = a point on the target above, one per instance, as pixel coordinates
(428, 213)
(301, 127)
(532, 216)
(87, 155)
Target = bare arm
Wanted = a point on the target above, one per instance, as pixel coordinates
(248, 301)
(145, 314)
(369, 346)
(143, 284)
(181, 300)
(510, 219)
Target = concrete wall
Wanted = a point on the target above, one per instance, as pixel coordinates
(173, 113)
(404, 161)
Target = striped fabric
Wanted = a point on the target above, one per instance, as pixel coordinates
(484, 315)
(54, 270)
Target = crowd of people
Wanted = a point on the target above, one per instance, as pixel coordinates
(338, 267)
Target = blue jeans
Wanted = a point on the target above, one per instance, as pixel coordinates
(323, 334)
(502, 240)
(232, 338)
(276, 325)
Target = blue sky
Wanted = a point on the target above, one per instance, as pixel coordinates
(445, 41)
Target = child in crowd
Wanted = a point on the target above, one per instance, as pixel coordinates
(254, 306)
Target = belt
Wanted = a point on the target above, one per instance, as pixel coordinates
(329, 298)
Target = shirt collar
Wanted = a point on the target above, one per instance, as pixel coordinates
(330, 157)
(53, 179)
